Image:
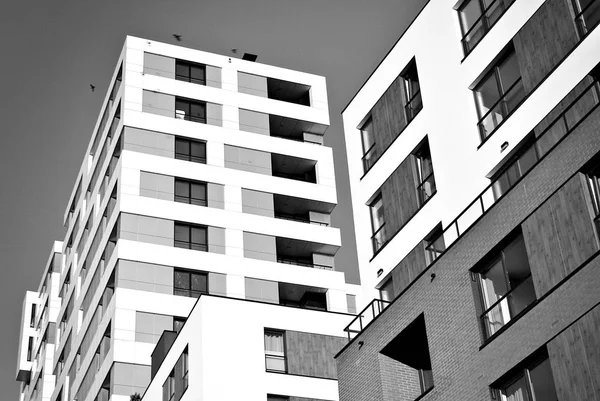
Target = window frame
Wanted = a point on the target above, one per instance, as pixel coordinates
(410, 94)
(274, 354)
(189, 103)
(580, 22)
(190, 199)
(483, 18)
(170, 383)
(490, 262)
(376, 232)
(189, 65)
(370, 156)
(189, 156)
(191, 293)
(196, 246)
(419, 163)
(494, 71)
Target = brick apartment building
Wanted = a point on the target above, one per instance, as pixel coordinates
(477, 206)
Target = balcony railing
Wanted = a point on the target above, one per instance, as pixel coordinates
(426, 189)
(301, 219)
(191, 245)
(413, 107)
(379, 238)
(370, 157)
(366, 316)
(299, 262)
(559, 129)
(508, 307)
(504, 106)
(588, 17)
(484, 23)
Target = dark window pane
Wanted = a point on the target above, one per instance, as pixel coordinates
(199, 235)
(182, 189)
(542, 382)
(182, 233)
(527, 160)
(182, 70)
(199, 191)
(199, 283)
(469, 13)
(493, 283)
(517, 390)
(182, 147)
(487, 94)
(198, 111)
(181, 280)
(199, 150)
(197, 74)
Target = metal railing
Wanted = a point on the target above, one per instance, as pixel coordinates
(379, 238)
(588, 17)
(551, 136)
(369, 158)
(413, 106)
(508, 102)
(191, 245)
(426, 189)
(507, 307)
(299, 262)
(301, 219)
(366, 316)
(190, 200)
(484, 23)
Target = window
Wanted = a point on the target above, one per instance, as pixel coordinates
(593, 180)
(191, 192)
(184, 369)
(424, 173)
(505, 285)
(32, 318)
(386, 292)
(178, 323)
(477, 17)
(190, 72)
(434, 244)
(370, 153)
(412, 91)
(517, 167)
(529, 382)
(587, 15)
(379, 236)
(169, 387)
(29, 348)
(189, 284)
(499, 93)
(191, 237)
(275, 351)
(190, 110)
(193, 151)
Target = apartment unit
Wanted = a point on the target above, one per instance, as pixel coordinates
(205, 186)
(474, 154)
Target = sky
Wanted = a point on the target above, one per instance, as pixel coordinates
(53, 50)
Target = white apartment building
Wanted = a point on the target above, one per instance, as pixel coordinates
(206, 183)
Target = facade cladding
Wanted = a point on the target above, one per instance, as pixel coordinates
(477, 206)
(198, 244)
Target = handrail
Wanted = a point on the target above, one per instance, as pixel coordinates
(292, 217)
(580, 18)
(487, 195)
(373, 237)
(381, 305)
(502, 298)
(298, 262)
(493, 107)
(365, 160)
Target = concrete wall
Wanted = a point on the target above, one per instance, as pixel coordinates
(258, 246)
(250, 160)
(259, 203)
(151, 142)
(253, 121)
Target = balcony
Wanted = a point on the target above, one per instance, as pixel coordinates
(500, 110)
(293, 168)
(301, 210)
(547, 139)
(281, 127)
(302, 296)
(305, 253)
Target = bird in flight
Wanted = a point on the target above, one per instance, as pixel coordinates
(178, 37)
(92, 87)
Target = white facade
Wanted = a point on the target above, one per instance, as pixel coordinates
(125, 222)
(461, 163)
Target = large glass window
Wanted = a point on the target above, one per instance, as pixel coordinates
(477, 17)
(386, 292)
(190, 150)
(499, 93)
(516, 168)
(190, 72)
(593, 180)
(189, 284)
(534, 382)
(169, 387)
(434, 244)
(379, 236)
(185, 369)
(191, 192)
(190, 110)
(275, 351)
(191, 237)
(424, 171)
(412, 91)
(506, 286)
(587, 15)
(370, 153)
